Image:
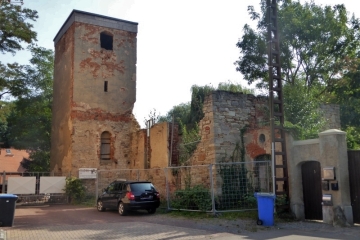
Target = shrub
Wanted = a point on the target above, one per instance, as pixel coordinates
(74, 189)
(194, 198)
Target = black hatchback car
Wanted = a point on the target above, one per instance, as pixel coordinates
(128, 196)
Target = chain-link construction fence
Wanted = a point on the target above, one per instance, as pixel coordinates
(213, 188)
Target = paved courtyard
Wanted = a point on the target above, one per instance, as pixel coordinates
(74, 222)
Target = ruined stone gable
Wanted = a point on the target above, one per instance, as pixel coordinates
(225, 114)
(94, 93)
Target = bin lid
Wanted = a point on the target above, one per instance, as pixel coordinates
(263, 194)
(5, 195)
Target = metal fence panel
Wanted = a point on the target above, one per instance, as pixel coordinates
(235, 184)
(32, 195)
(189, 188)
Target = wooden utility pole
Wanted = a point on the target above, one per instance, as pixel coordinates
(278, 146)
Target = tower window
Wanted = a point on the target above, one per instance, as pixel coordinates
(105, 86)
(106, 41)
(105, 146)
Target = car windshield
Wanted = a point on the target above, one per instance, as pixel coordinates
(142, 187)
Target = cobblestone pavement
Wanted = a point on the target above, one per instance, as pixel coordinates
(73, 222)
(131, 230)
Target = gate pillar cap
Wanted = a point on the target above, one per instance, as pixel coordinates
(332, 132)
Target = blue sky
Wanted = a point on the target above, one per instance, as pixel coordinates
(180, 43)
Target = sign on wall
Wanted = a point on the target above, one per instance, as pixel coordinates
(87, 173)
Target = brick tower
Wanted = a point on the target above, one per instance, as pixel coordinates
(94, 93)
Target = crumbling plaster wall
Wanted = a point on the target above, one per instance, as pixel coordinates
(82, 109)
(159, 145)
(138, 149)
(159, 150)
(61, 130)
(94, 110)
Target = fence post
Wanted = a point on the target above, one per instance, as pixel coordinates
(97, 187)
(3, 182)
(212, 189)
(167, 189)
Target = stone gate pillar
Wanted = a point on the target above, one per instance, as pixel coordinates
(333, 153)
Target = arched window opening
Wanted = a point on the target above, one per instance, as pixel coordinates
(263, 173)
(105, 146)
(106, 41)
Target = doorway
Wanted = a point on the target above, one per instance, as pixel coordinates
(311, 182)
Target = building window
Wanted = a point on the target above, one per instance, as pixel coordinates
(105, 86)
(105, 146)
(8, 152)
(262, 181)
(106, 41)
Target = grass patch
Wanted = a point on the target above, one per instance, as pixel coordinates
(250, 215)
(239, 215)
(193, 215)
(284, 217)
(88, 201)
(203, 215)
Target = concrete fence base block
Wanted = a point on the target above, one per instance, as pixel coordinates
(340, 218)
(298, 210)
(348, 211)
(328, 214)
(2, 235)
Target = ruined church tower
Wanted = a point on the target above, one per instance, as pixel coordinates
(94, 93)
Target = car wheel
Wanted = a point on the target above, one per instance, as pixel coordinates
(100, 206)
(121, 209)
(151, 210)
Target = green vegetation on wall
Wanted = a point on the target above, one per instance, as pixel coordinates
(234, 178)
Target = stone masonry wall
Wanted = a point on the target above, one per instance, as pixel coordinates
(226, 114)
(331, 112)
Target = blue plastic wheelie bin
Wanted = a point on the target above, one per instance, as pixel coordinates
(265, 202)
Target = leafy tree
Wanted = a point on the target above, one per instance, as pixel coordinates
(29, 123)
(319, 47)
(180, 112)
(198, 94)
(302, 112)
(318, 44)
(235, 88)
(40, 162)
(189, 114)
(5, 111)
(15, 28)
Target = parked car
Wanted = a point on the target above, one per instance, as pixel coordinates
(128, 196)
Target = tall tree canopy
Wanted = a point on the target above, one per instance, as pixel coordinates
(15, 30)
(318, 44)
(29, 122)
(15, 27)
(319, 48)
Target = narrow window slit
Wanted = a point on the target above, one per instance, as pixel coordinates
(105, 86)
